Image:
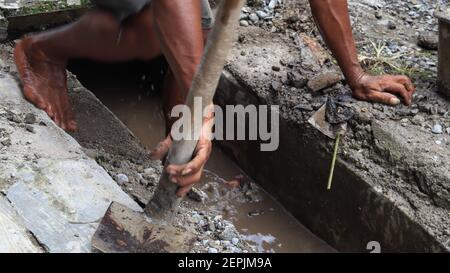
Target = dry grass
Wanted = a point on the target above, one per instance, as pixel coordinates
(380, 62)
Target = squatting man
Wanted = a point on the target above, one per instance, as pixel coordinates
(116, 31)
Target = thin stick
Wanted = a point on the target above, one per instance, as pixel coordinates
(333, 162)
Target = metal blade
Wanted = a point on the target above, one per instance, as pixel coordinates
(123, 230)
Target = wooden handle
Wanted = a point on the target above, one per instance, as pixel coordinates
(164, 203)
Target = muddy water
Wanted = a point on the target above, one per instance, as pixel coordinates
(263, 221)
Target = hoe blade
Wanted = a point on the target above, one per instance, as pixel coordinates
(123, 230)
(319, 121)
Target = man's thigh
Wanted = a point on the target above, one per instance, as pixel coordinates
(122, 9)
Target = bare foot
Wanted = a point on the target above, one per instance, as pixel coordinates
(44, 83)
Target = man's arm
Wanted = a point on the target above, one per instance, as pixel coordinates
(333, 20)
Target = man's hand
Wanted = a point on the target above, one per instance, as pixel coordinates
(333, 20)
(385, 89)
(190, 173)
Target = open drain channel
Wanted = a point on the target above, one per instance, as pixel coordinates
(132, 92)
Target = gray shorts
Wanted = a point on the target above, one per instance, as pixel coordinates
(125, 8)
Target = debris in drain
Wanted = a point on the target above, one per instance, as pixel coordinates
(256, 213)
(197, 195)
(236, 182)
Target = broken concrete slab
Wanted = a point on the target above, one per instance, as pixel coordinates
(82, 189)
(48, 223)
(14, 237)
(69, 192)
(63, 221)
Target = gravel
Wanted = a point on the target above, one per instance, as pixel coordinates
(29, 128)
(197, 195)
(212, 250)
(6, 142)
(254, 18)
(30, 118)
(121, 178)
(437, 129)
(427, 40)
(244, 23)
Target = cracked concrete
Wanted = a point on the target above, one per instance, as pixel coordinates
(14, 237)
(54, 190)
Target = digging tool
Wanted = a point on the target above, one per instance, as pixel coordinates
(331, 120)
(319, 121)
(125, 230)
